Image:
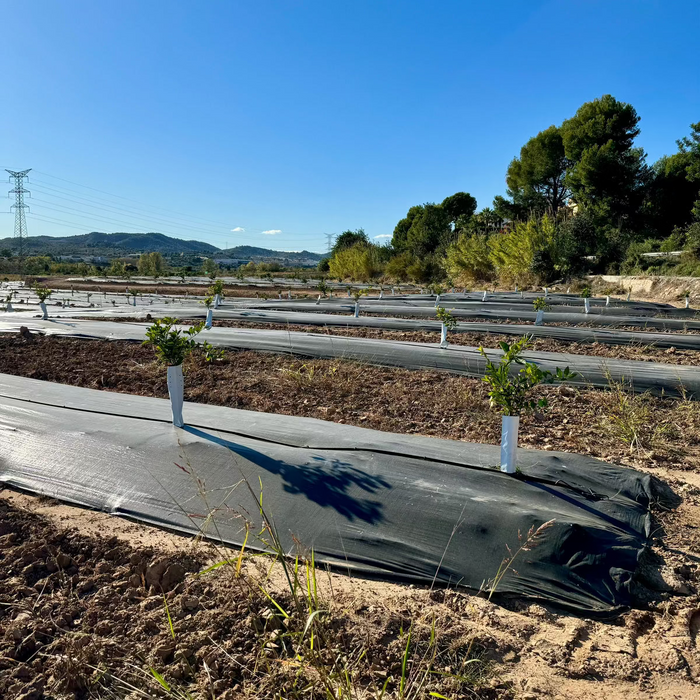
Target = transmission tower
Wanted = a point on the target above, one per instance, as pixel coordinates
(330, 240)
(19, 206)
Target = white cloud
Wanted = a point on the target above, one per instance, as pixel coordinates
(238, 229)
(384, 235)
(272, 232)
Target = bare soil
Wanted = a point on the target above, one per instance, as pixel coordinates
(613, 425)
(637, 351)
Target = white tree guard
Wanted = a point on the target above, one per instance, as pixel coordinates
(509, 443)
(176, 391)
(539, 319)
(44, 312)
(357, 309)
(587, 305)
(443, 336)
(210, 314)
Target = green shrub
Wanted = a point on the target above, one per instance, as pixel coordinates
(469, 259)
(360, 262)
(514, 253)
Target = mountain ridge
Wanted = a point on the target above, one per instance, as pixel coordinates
(117, 244)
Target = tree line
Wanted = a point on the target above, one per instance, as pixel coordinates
(580, 198)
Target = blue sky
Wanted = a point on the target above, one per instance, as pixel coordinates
(305, 118)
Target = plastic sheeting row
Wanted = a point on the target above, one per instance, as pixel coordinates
(379, 504)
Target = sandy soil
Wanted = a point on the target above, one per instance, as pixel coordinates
(82, 614)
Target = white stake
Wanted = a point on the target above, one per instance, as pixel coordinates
(176, 391)
(509, 443)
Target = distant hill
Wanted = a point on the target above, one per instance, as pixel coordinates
(110, 244)
(249, 252)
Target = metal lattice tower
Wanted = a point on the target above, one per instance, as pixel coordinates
(19, 206)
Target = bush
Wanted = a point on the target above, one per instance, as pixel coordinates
(360, 263)
(513, 253)
(425, 269)
(397, 268)
(674, 242)
(468, 260)
(692, 239)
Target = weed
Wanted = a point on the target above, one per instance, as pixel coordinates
(629, 414)
(211, 353)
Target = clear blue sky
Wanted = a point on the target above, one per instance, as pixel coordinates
(313, 116)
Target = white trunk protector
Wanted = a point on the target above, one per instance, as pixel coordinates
(45, 313)
(176, 390)
(509, 443)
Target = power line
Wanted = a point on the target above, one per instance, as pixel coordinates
(142, 204)
(19, 206)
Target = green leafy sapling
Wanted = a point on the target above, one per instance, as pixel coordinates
(217, 291)
(510, 393)
(357, 294)
(208, 301)
(172, 345)
(586, 295)
(540, 305)
(43, 293)
(448, 323)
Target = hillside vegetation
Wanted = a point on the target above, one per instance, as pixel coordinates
(580, 198)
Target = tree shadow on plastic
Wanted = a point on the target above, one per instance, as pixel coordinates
(326, 482)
